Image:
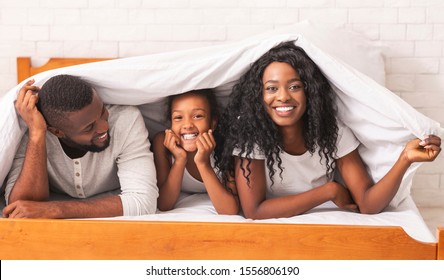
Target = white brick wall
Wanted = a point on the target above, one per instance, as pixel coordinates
(412, 30)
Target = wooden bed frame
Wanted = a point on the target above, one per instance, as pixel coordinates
(130, 240)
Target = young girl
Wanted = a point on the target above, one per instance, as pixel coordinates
(282, 118)
(182, 154)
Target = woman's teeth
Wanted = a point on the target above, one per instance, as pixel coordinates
(284, 109)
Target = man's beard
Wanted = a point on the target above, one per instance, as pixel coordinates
(96, 149)
(89, 148)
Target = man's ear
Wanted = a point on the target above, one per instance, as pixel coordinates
(57, 132)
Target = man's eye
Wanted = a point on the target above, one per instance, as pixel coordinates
(88, 129)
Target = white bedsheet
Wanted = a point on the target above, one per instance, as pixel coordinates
(380, 120)
(198, 208)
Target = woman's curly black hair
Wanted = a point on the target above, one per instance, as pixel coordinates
(245, 123)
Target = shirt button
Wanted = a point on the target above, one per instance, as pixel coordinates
(78, 186)
(76, 162)
(80, 194)
(77, 174)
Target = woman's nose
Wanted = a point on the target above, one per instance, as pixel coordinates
(283, 95)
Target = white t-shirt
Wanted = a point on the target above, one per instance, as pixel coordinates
(304, 172)
(125, 168)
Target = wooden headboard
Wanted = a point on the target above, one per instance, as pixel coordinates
(25, 69)
(100, 239)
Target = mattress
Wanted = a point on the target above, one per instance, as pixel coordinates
(198, 208)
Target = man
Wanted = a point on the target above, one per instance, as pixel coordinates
(77, 146)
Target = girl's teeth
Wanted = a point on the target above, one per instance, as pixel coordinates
(189, 136)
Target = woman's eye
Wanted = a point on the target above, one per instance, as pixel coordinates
(295, 87)
(271, 89)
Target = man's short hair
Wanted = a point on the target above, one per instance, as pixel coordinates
(62, 94)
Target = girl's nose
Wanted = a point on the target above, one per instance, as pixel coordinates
(188, 123)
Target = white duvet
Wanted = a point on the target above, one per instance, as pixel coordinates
(380, 120)
(198, 208)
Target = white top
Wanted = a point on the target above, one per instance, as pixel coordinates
(304, 172)
(126, 167)
(191, 184)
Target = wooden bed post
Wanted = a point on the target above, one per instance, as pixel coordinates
(24, 68)
(440, 249)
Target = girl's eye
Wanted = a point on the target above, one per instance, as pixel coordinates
(177, 118)
(199, 116)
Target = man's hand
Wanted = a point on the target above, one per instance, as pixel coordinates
(26, 107)
(31, 209)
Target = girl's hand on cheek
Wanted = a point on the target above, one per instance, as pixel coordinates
(205, 146)
(172, 143)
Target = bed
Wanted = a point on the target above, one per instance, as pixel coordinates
(193, 230)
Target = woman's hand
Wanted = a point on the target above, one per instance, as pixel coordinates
(422, 150)
(342, 197)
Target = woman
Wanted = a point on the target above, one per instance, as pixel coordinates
(282, 118)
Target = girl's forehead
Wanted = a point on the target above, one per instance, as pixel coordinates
(190, 100)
